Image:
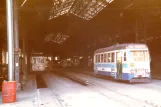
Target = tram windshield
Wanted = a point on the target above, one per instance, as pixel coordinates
(139, 55)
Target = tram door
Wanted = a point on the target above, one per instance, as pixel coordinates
(119, 65)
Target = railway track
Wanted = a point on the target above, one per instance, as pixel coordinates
(117, 96)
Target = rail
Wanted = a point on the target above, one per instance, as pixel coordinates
(75, 79)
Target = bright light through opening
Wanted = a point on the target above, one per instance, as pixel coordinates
(84, 9)
(23, 3)
(56, 58)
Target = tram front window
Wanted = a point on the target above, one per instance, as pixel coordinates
(138, 55)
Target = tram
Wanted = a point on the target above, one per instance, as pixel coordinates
(41, 63)
(129, 62)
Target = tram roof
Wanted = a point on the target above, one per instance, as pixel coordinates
(122, 46)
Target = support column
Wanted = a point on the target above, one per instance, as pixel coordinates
(23, 60)
(28, 58)
(10, 41)
(145, 32)
(136, 32)
(0, 61)
(16, 44)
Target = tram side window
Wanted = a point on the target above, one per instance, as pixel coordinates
(113, 57)
(109, 57)
(101, 58)
(105, 58)
(95, 58)
(42, 60)
(34, 60)
(38, 60)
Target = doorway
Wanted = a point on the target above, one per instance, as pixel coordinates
(119, 65)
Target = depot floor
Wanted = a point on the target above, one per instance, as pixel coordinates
(61, 91)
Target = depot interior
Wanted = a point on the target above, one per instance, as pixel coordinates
(67, 32)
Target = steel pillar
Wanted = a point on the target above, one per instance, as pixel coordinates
(136, 32)
(16, 43)
(28, 58)
(9, 6)
(1, 61)
(23, 60)
(145, 32)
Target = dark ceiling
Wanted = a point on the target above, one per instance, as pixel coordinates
(88, 35)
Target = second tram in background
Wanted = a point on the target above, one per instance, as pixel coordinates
(129, 62)
(40, 62)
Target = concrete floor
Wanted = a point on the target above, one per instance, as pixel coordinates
(60, 91)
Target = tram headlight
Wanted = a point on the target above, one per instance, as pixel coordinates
(132, 65)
